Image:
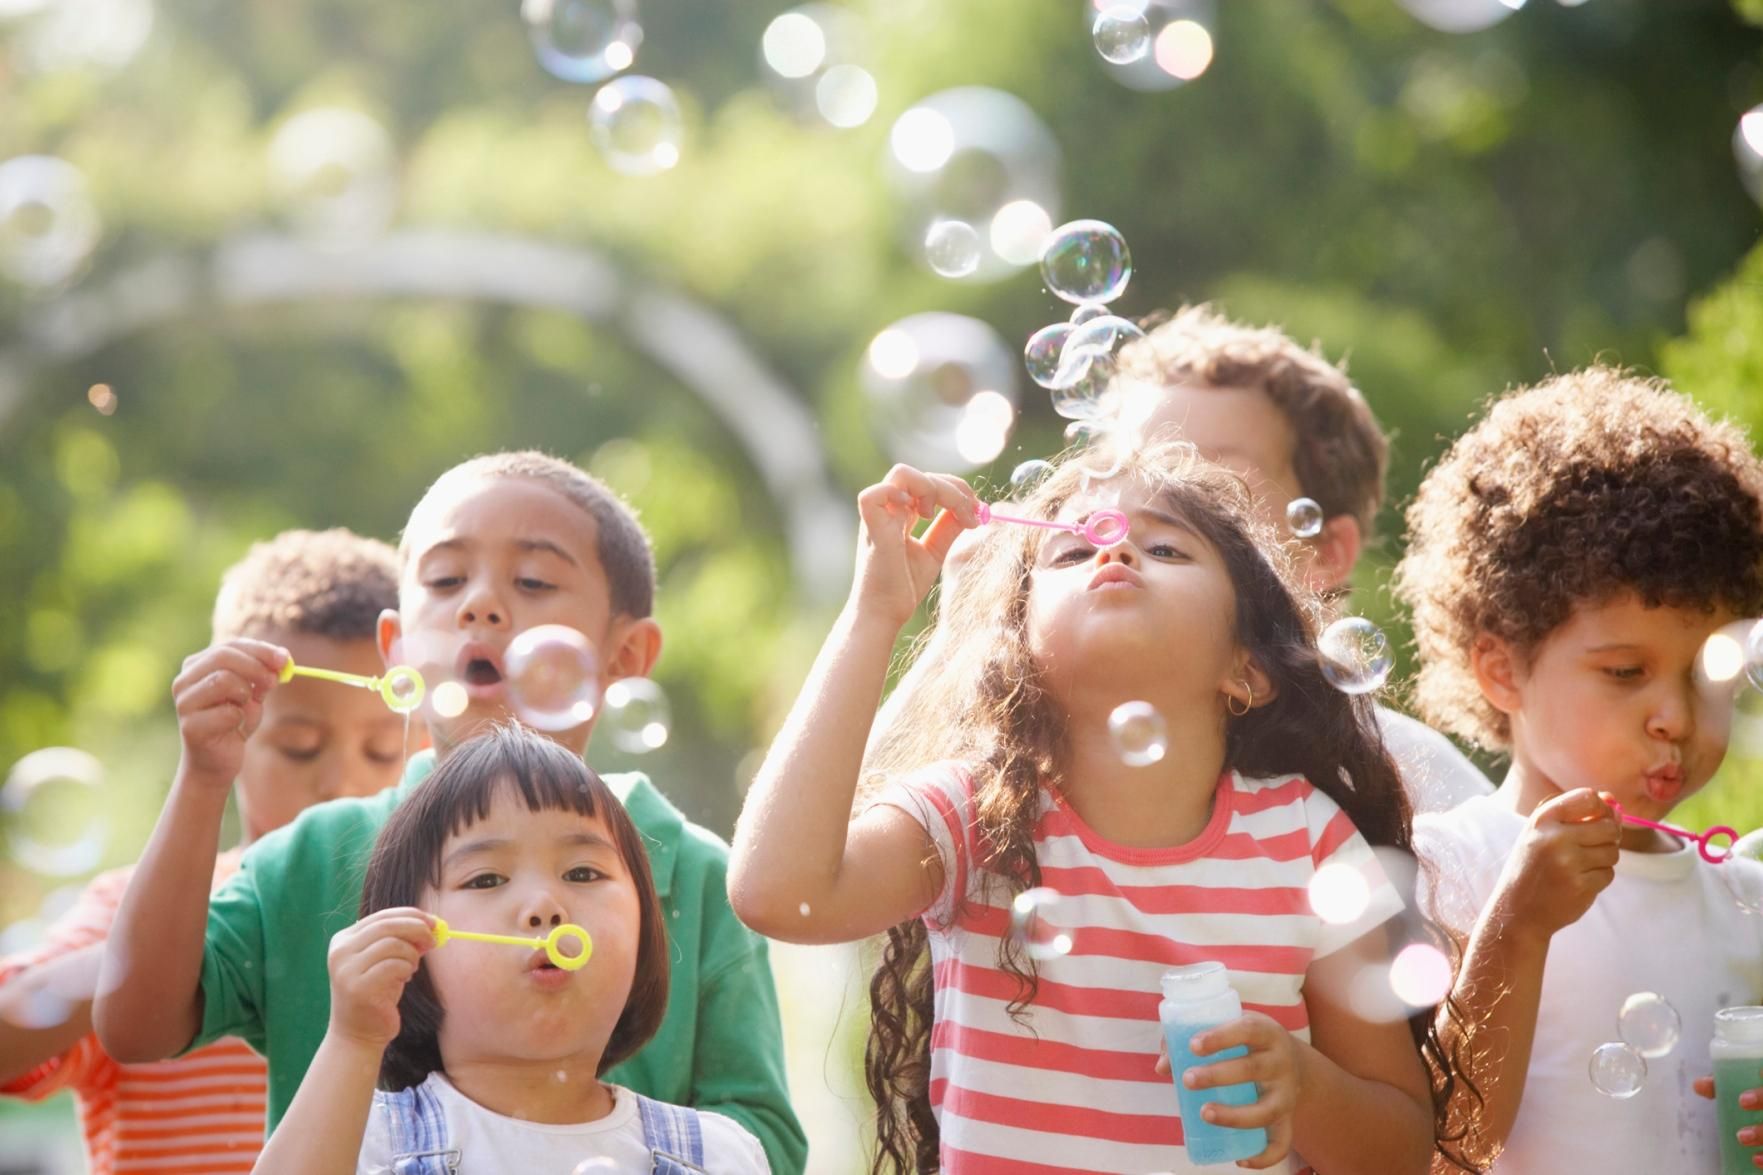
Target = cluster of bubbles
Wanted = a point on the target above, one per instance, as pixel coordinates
(1040, 923)
(634, 120)
(554, 684)
(1152, 45)
(1139, 733)
(812, 56)
(941, 390)
(981, 159)
(1085, 263)
(52, 804)
(48, 224)
(1649, 1028)
(1356, 656)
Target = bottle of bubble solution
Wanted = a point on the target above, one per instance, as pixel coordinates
(1738, 1066)
(1194, 999)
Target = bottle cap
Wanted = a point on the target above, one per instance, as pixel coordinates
(1739, 1025)
(1197, 981)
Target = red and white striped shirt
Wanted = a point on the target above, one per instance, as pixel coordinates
(1073, 1088)
(200, 1114)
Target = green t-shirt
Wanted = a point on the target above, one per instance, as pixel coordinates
(720, 1047)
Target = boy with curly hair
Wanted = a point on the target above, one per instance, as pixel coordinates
(1568, 558)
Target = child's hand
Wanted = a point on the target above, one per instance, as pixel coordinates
(1272, 1064)
(219, 696)
(1563, 861)
(894, 569)
(370, 963)
(1750, 1099)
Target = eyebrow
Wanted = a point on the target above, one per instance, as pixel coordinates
(1617, 647)
(491, 843)
(545, 546)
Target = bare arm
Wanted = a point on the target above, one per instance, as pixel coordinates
(149, 1002)
(802, 869)
(59, 989)
(1354, 1072)
(1565, 859)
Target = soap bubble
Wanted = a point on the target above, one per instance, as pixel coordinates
(636, 125)
(1420, 975)
(1086, 261)
(1461, 16)
(1083, 433)
(553, 677)
(53, 807)
(952, 248)
(637, 716)
(1742, 873)
(1722, 658)
(331, 170)
(1304, 517)
(1747, 148)
(1089, 363)
(583, 40)
(1356, 656)
(1649, 1024)
(48, 225)
(1139, 733)
(1617, 1070)
(941, 390)
(846, 96)
(1122, 34)
(1339, 894)
(983, 157)
(1030, 474)
(450, 700)
(1754, 655)
(1087, 311)
(1041, 356)
(1039, 923)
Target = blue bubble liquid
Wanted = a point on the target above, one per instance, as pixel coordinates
(1207, 1143)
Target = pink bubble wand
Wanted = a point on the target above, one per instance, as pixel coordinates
(1714, 856)
(1104, 528)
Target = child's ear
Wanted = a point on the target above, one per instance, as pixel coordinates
(1251, 686)
(636, 646)
(1497, 672)
(387, 634)
(1334, 552)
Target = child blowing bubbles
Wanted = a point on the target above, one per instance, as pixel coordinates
(496, 1053)
(1567, 560)
(1004, 777)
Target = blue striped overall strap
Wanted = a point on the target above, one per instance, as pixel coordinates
(418, 1129)
(673, 1137)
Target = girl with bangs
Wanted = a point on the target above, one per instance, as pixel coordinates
(999, 775)
(487, 1058)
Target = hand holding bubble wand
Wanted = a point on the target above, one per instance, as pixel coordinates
(1710, 853)
(551, 944)
(401, 688)
(1104, 528)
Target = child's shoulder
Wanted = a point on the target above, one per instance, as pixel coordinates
(328, 832)
(1485, 824)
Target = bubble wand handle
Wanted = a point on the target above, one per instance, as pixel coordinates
(1711, 854)
(401, 688)
(551, 944)
(290, 670)
(1104, 528)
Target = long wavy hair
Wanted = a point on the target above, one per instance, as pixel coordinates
(977, 696)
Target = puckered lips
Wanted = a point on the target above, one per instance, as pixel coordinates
(1114, 577)
(1664, 784)
(479, 669)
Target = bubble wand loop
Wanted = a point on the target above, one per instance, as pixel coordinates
(1713, 856)
(1104, 528)
(401, 688)
(551, 944)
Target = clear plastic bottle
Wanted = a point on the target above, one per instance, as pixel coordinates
(1196, 998)
(1738, 1066)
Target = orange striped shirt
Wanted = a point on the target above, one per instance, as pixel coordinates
(200, 1114)
(1071, 1086)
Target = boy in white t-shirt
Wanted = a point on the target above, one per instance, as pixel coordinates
(1568, 558)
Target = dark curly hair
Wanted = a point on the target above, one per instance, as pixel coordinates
(981, 701)
(328, 583)
(1589, 486)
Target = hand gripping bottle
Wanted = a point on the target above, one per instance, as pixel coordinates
(1738, 1066)
(1194, 999)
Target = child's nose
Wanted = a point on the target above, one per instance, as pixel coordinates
(482, 607)
(1121, 552)
(542, 910)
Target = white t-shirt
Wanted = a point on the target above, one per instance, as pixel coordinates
(1667, 924)
(1436, 775)
(489, 1143)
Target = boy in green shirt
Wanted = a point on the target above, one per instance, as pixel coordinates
(498, 545)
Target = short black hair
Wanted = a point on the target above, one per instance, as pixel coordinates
(406, 861)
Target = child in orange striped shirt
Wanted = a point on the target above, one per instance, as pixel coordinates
(319, 594)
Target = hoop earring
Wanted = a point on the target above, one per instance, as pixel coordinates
(1231, 702)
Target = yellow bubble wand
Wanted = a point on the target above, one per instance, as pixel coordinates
(551, 944)
(401, 688)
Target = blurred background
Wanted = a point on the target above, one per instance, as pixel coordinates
(279, 264)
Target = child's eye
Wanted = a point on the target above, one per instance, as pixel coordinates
(584, 873)
(1072, 555)
(529, 584)
(441, 583)
(483, 881)
(1166, 551)
(299, 754)
(383, 758)
(1623, 672)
